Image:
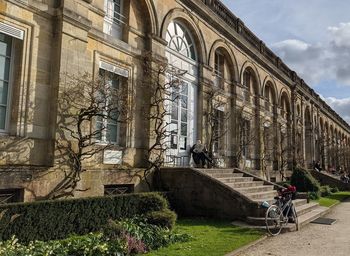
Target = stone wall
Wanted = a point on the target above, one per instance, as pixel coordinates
(326, 179)
(193, 193)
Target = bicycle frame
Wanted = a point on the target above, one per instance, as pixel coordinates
(284, 206)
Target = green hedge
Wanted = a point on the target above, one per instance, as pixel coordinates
(47, 220)
(304, 181)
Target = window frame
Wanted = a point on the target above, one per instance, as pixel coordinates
(102, 140)
(219, 69)
(114, 21)
(9, 88)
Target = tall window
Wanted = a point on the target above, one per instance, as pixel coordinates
(246, 86)
(5, 64)
(245, 137)
(179, 120)
(219, 70)
(218, 130)
(109, 127)
(114, 19)
(267, 98)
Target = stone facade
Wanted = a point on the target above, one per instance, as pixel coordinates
(274, 119)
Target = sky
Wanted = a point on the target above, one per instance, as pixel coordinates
(312, 37)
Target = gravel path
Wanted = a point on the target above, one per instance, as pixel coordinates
(311, 240)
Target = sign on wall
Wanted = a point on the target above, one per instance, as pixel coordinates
(112, 157)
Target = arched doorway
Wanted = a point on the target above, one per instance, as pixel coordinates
(270, 127)
(182, 55)
(308, 138)
(250, 124)
(286, 148)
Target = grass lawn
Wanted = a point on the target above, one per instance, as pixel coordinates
(333, 199)
(209, 238)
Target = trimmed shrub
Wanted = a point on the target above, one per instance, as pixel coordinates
(304, 181)
(334, 190)
(164, 218)
(326, 191)
(314, 195)
(48, 220)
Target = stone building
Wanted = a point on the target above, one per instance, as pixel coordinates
(268, 117)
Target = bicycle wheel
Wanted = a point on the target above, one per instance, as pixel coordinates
(295, 216)
(274, 220)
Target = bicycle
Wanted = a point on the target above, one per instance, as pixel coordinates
(278, 215)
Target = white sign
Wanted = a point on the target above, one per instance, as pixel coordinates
(114, 69)
(112, 157)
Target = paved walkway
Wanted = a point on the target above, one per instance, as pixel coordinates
(311, 240)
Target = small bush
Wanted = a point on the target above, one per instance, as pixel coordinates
(153, 236)
(304, 181)
(90, 244)
(314, 195)
(325, 191)
(112, 230)
(334, 190)
(164, 218)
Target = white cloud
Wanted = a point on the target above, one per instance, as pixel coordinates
(341, 34)
(317, 62)
(341, 106)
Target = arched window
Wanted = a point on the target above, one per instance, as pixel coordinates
(219, 69)
(179, 40)
(246, 86)
(181, 54)
(268, 96)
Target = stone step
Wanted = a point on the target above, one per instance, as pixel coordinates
(306, 213)
(312, 215)
(233, 180)
(209, 171)
(302, 209)
(237, 185)
(299, 202)
(260, 195)
(263, 188)
(272, 200)
(225, 175)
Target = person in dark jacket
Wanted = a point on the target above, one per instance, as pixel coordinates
(199, 154)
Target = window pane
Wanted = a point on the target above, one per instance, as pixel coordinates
(5, 44)
(183, 143)
(3, 92)
(184, 101)
(173, 141)
(112, 133)
(2, 117)
(184, 129)
(115, 82)
(184, 115)
(114, 116)
(173, 127)
(4, 68)
(174, 111)
(99, 130)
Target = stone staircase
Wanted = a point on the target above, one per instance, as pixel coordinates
(258, 191)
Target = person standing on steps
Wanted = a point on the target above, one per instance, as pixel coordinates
(199, 154)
